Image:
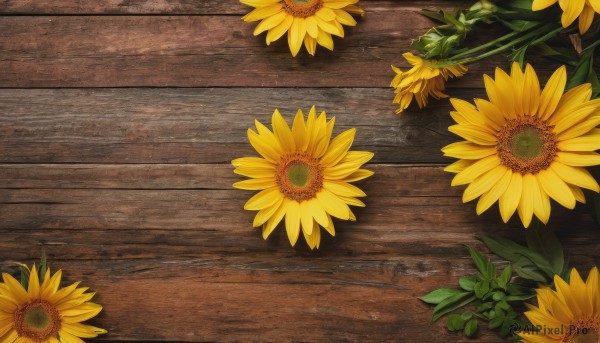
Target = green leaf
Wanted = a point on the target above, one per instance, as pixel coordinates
(527, 270)
(24, 276)
(471, 328)
(481, 289)
(504, 277)
(584, 72)
(544, 242)
(520, 256)
(43, 266)
(480, 262)
(466, 315)
(503, 247)
(495, 323)
(452, 303)
(498, 296)
(455, 322)
(467, 282)
(439, 295)
(520, 297)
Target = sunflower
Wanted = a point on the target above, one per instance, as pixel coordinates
(45, 313)
(526, 145)
(303, 175)
(570, 314)
(572, 9)
(309, 21)
(424, 79)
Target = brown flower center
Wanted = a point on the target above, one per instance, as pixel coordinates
(299, 176)
(302, 8)
(586, 330)
(526, 145)
(37, 320)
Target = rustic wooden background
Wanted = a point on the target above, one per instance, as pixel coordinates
(118, 120)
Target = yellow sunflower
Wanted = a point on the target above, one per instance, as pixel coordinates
(571, 314)
(572, 9)
(45, 313)
(423, 80)
(310, 22)
(303, 175)
(526, 145)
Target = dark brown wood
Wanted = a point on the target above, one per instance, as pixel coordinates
(78, 7)
(147, 246)
(130, 189)
(193, 125)
(203, 51)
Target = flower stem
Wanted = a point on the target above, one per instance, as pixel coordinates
(517, 41)
(486, 45)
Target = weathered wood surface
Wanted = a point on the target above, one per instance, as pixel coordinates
(220, 7)
(130, 189)
(202, 51)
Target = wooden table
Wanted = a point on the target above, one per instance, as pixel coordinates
(118, 122)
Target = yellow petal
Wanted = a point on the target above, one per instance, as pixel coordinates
(474, 133)
(292, 221)
(279, 30)
(525, 208)
(255, 184)
(589, 142)
(299, 131)
(266, 213)
(263, 199)
(306, 218)
(586, 18)
(576, 176)
(314, 238)
(583, 159)
(491, 196)
(318, 212)
(263, 12)
(483, 183)
(343, 189)
(468, 151)
(475, 170)
(532, 91)
(324, 39)
(552, 93)
(556, 188)
(270, 23)
(571, 10)
(509, 200)
(333, 205)
(539, 5)
(282, 132)
(338, 148)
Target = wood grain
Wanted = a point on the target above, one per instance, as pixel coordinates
(193, 125)
(232, 7)
(169, 253)
(203, 51)
(130, 189)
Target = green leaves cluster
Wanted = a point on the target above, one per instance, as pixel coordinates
(493, 296)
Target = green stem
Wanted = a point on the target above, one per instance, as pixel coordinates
(487, 45)
(517, 41)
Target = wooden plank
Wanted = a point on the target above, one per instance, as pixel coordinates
(154, 304)
(202, 51)
(195, 125)
(78, 7)
(410, 198)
